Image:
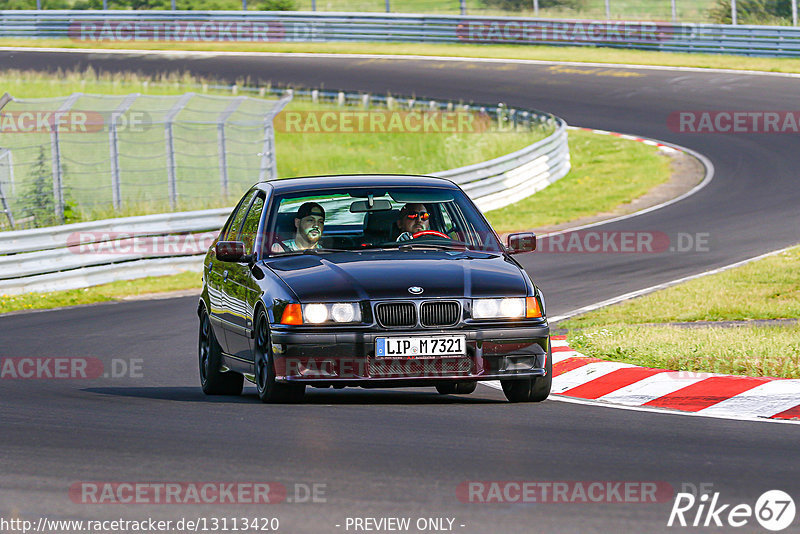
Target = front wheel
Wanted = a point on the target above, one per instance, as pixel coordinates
(212, 379)
(540, 386)
(531, 389)
(268, 389)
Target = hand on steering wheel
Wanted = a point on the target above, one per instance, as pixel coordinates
(430, 232)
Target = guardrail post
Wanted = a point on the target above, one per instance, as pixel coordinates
(608, 9)
(463, 7)
(172, 181)
(113, 143)
(223, 155)
(4, 153)
(55, 147)
(733, 12)
(535, 8)
(794, 12)
(269, 162)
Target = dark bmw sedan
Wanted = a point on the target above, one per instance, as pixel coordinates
(370, 281)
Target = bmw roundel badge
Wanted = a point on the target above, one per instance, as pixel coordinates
(415, 290)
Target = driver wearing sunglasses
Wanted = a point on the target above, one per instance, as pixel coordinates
(413, 218)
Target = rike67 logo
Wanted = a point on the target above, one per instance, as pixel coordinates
(774, 510)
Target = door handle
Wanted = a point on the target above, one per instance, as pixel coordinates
(224, 276)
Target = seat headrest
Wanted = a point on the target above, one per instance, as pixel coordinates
(380, 223)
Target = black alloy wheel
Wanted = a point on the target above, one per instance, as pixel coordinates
(269, 390)
(212, 379)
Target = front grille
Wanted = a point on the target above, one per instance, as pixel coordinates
(445, 313)
(396, 314)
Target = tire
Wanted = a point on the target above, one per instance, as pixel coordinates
(531, 390)
(209, 354)
(517, 390)
(267, 388)
(456, 388)
(540, 388)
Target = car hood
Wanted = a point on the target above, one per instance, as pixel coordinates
(375, 275)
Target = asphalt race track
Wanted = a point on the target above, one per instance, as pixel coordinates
(404, 453)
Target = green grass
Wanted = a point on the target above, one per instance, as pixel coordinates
(143, 154)
(582, 54)
(766, 289)
(747, 350)
(104, 293)
(606, 172)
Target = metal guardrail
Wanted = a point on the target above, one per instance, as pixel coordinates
(249, 26)
(78, 255)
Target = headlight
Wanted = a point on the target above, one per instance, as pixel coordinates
(506, 308)
(343, 312)
(338, 312)
(315, 313)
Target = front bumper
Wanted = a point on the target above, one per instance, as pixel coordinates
(348, 358)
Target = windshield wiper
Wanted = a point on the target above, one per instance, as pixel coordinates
(405, 245)
(309, 251)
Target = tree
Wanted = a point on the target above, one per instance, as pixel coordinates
(37, 201)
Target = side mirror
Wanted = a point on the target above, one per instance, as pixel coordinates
(232, 251)
(521, 242)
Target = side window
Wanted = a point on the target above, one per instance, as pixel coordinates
(446, 220)
(250, 227)
(238, 217)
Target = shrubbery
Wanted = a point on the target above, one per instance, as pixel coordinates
(777, 12)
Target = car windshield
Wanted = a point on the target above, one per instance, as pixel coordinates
(387, 218)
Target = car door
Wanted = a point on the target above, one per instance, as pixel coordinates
(219, 274)
(241, 289)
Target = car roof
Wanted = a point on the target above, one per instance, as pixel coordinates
(310, 183)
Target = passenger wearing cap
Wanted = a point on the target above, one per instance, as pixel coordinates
(413, 218)
(309, 222)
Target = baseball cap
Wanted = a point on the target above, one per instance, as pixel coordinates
(310, 208)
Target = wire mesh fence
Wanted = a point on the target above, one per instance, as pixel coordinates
(102, 154)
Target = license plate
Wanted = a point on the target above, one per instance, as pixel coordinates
(420, 347)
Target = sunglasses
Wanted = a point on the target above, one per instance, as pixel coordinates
(423, 215)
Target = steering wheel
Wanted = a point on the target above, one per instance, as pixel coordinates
(430, 232)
